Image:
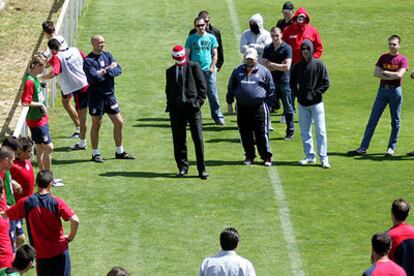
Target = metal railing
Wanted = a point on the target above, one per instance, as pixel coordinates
(66, 25)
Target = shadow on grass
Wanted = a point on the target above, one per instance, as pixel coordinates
(152, 125)
(62, 149)
(153, 120)
(220, 140)
(380, 157)
(139, 174)
(218, 128)
(217, 163)
(69, 161)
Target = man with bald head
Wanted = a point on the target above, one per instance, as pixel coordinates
(101, 69)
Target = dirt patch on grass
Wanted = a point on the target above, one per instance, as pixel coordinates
(20, 36)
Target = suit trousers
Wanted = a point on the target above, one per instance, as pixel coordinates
(179, 119)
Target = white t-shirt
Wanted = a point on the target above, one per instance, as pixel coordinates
(226, 263)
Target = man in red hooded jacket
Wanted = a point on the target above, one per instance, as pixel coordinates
(300, 30)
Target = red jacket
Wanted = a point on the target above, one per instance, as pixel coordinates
(296, 33)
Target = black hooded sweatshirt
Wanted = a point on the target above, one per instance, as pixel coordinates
(309, 79)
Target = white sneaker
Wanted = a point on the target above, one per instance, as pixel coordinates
(57, 182)
(77, 146)
(283, 119)
(325, 164)
(307, 161)
(271, 127)
(389, 153)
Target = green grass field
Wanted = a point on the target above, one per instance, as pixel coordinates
(137, 215)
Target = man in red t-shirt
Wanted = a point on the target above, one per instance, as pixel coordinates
(6, 249)
(43, 213)
(402, 234)
(381, 264)
(390, 69)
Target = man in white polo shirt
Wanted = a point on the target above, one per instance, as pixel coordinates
(227, 262)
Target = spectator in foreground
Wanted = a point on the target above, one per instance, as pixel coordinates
(256, 36)
(382, 265)
(227, 262)
(402, 235)
(43, 213)
(117, 271)
(22, 263)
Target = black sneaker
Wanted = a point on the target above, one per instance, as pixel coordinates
(97, 158)
(289, 137)
(76, 134)
(411, 153)
(356, 152)
(123, 155)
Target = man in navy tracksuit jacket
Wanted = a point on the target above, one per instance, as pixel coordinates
(252, 86)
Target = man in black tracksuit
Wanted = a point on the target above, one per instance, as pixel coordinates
(186, 92)
(309, 80)
(252, 86)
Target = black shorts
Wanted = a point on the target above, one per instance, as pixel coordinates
(59, 265)
(40, 135)
(101, 105)
(81, 100)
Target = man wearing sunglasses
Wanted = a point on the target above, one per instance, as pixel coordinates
(214, 31)
(390, 68)
(201, 47)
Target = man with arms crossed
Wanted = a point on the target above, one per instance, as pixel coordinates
(101, 69)
(390, 68)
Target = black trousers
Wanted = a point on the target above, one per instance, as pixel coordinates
(253, 126)
(179, 119)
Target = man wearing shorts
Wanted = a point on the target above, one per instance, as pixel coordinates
(68, 66)
(101, 69)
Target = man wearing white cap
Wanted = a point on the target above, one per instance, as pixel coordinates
(186, 92)
(252, 86)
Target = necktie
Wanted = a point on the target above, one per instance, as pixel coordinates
(180, 83)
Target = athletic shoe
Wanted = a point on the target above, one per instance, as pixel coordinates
(325, 164)
(289, 137)
(76, 134)
(123, 155)
(248, 161)
(58, 182)
(307, 161)
(267, 162)
(77, 146)
(411, 153)
(220, 122)
(389, 153)
(356, 152)
(97, 158)
(203, 175)
(283, 119)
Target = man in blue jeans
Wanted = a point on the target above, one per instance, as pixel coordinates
(201, 47)
(277, 57)
(390, 68)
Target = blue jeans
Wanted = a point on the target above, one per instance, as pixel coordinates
(394, 98)
(285, 94)
(317, 113)
(212, 95)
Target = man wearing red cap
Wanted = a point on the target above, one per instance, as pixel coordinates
(186, 92)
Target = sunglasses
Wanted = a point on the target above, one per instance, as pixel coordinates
(393, 44)
(200, 25)
(275, 35)
(305, 49)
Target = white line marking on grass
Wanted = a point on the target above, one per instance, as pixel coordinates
(287, 227)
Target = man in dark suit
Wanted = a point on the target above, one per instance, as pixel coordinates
(186, 91)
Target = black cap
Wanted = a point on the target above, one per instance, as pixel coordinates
(288, 6)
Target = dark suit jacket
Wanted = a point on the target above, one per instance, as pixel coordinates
(194, 87)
